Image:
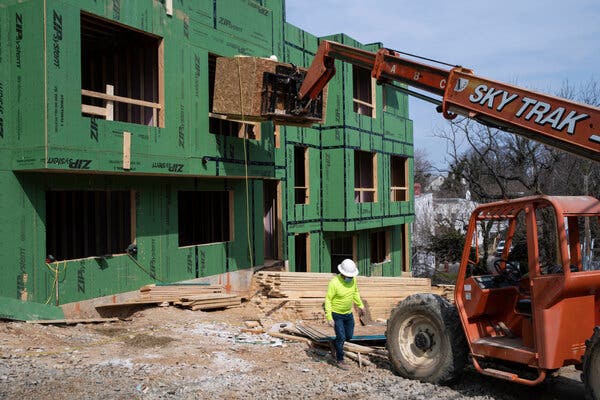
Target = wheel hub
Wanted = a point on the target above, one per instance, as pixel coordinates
(424, 340)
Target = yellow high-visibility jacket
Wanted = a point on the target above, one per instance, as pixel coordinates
(340, 297)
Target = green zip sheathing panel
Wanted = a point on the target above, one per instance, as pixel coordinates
(47, 144)
(334, 143)
(64, 139)
(159, 256)
(28, 311)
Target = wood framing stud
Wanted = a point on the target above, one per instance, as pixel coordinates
(110, 105)
(127, 150)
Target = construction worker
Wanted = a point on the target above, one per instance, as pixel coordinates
(342, 293)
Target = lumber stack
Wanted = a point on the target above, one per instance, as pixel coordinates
(176, 291)
(195, 296)
(208, 301)
(305, 292)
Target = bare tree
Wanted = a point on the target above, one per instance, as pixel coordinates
(422, 166)
(497, 165)
(494, 164)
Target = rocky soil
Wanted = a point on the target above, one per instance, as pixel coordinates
(169, 353)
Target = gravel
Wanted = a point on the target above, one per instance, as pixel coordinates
(168, 353)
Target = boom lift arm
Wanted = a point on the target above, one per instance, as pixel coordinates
(557, 122)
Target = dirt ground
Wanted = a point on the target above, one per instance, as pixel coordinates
(171, 353)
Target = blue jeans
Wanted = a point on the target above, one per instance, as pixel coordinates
(344, 330)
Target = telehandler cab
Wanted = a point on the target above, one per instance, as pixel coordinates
(519, 317)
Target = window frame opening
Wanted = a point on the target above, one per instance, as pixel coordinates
(341, 248)
(363, 92)
(110, 66)
(204, 217)
(365, 177)
(398, 178)
(89, 223)
(379, 242)
(301, 175)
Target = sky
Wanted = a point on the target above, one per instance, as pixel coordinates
(535, 44)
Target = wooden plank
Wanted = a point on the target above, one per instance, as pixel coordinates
(72, 321)
(129, 304)
(290, 337)
(161, 84)
(213, 306)
(93, 110)
(360, 360)
(120, 99)
(126, 150)
(110, 105)
(210, 296)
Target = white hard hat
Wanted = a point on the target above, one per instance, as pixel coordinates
(348, 268)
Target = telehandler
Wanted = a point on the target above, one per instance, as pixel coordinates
(538, 309)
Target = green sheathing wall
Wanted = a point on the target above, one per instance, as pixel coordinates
(333, 145)
(24, 250)
(60, 137)
(18, 227)
(22, 91)
(42, 129)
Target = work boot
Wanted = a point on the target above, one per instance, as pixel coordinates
(342, 365)
(332, 349)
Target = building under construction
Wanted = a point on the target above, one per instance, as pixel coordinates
(117, 173)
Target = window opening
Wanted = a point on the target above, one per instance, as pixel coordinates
(379, 246)
(362, 92)
(364, 177)
(204, 217)
(301, 175)
(405, 247)
(583, 235)
(341, 249)
(121, 73)
(399, 172)
(82, 224)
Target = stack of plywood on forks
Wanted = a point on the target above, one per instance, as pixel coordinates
(304, 292)
(193, 296)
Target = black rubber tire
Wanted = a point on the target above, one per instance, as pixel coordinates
(442, 362)
(591, 366)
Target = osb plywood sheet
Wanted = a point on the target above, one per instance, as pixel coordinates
(238, 85)
(239, 89)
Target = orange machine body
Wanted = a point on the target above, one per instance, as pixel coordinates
(545, 319)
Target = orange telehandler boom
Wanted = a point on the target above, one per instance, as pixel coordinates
(557, 122)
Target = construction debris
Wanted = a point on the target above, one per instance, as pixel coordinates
(321, 336)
